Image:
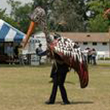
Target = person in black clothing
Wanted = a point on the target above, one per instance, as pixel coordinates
(59, 72)
(39, 51)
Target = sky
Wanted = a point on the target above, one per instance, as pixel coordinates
(3, 4)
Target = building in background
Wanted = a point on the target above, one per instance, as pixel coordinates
(99, 41)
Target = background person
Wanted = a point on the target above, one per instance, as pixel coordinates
(39, 51)
(89, 56)
(16, 52)
(10, 53)
(94, 54)
(20, 55)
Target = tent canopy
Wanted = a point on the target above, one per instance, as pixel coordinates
(10, 34)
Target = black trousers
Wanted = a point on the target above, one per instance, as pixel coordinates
(58, 74)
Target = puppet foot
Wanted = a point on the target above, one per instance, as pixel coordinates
(66, 102)
(49, 102)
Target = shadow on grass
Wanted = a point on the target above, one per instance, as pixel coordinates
(82, 102)
(74, 103)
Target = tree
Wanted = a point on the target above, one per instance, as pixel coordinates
(72, 12)
(6, 18)
(97, 23)
(65, 15)
(20, 14)
(14, 6)
(2, 13)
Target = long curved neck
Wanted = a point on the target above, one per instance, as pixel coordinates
(43, 25)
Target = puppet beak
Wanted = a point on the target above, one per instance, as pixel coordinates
(29, 32)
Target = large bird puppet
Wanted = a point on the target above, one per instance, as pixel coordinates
(60, 48)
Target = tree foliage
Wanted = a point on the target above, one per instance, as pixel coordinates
(72, 12)
(7, 18)
(20, 14)
(2, 13)
(62, 15)
(65, 15)
(97, 23)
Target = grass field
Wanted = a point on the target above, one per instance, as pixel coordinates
(27, 88)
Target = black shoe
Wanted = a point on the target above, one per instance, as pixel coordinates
(49, 102)
(66, 102)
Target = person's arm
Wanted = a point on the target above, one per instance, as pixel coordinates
(43, 53)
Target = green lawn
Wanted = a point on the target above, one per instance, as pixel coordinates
(27, 88)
